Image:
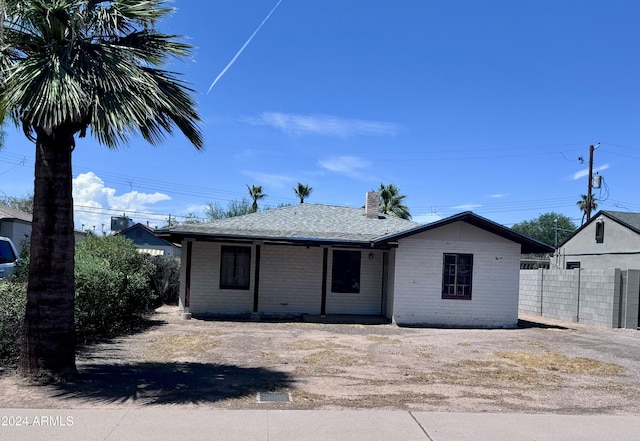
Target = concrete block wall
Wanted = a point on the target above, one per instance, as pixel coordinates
(531, 291)
(563, 305)
(600, 297)
(631, 299)
(608, 298)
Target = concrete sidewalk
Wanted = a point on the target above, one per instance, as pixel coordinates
(306, 425)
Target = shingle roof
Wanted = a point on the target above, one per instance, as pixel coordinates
(7, 212)
(631, 220)
(301, 222)
(327, 223)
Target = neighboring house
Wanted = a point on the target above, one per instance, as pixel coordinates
(148, 243)
(15, 224)
(321, 260)
(611, 239)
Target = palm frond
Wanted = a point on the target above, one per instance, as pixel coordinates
(94, 64)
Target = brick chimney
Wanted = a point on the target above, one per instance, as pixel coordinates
(372, 205)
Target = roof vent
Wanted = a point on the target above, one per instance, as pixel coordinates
(372, 205)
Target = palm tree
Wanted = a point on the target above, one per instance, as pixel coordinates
(302, 191)
(68, 66)
(391, 202)
(255, 191)
(583, 205)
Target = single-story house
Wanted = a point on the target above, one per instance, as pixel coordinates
(148, 243)
(313, 259)
(611, 239)
(15, 224)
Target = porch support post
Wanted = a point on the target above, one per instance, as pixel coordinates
(187, 283)
(256, 283)
(323, 303)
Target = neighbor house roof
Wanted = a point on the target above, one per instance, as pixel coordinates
(9, 213)
(626, 218)
(142, 235)
(304, 223)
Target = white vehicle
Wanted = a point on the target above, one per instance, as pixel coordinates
(8, 256)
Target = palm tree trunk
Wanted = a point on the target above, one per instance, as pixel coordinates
(48, 342)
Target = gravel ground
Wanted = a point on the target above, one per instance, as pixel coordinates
(543, 367)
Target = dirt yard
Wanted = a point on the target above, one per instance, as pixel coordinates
(544, 366)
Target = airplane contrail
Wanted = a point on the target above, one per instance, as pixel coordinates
(233, 60)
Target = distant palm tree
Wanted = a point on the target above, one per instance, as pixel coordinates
(582, 204)
(68, 67)
(255, 191)
(391, 202)
(302, 191)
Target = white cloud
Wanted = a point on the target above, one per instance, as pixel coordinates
(347, 165)
(95, 203)
(327, 125)
(466, 207)
(500, 195)
(585, 172)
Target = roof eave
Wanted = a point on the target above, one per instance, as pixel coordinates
(528, 244)
(218, 237)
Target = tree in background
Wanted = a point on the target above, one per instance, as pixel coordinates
(215, 211)
(191, 219)
(255, 191)
(302, 191)
(68, 67)
(550, 228)
(23, 204)
(391, 202)
(582, 205)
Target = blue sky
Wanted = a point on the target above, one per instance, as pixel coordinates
(465, 105)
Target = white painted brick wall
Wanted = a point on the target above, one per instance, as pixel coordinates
(391, 283)
(290, 280)
(418, 283)
(290, 283)
(206, 295)
(369, 299)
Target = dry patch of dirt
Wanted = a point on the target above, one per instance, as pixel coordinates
(554, 361)
(174, 347)
(571, 369)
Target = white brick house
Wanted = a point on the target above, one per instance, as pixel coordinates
(325, 260)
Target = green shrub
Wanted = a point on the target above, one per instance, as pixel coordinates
(13, 299)
(165, 279)
(112, 286)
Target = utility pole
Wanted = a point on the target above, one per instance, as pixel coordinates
(590, 183)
